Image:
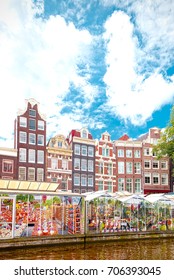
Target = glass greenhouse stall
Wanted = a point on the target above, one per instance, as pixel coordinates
(128, 212)
(37, 213)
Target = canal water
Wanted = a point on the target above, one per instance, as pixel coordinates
(157, 249)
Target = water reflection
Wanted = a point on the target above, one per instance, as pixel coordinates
(135, 250)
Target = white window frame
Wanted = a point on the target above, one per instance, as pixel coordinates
(121, 182)
(22, 137)
(76, 179)
(40, 140)
(129, 167)
(22, 155)
(90, 165)
(40, 174)
(90, 151)
(31, 155)
(84, 150)
(120, 153)
(76, 163)
(129, 153)
(40, 157)
(76, 149)
(83, 164)
(22, 173)
(137, 153)
(23, 122)
(31, 174)
(40, 125)
(90, 180)
(83, 180)
(32, 138)
(121, 167)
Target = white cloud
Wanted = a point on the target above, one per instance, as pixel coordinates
(39, 58)
(132, 94)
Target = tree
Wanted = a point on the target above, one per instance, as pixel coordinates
(165, 145)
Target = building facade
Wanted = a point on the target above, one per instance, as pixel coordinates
(128, 155)
(8, 163)
(59, 162)
(83, 160)
(156, 172)
(30, 142)
(105, 164)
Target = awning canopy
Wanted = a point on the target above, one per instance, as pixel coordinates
(27, 185)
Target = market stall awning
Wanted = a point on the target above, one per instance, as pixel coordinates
(27, 185)
(97, 194)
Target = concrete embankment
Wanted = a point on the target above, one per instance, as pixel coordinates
(24, 242)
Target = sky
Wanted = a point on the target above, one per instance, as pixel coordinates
(106, 65)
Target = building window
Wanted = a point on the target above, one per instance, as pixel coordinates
(23, 122)
(7, 166)
(90, 151)
(76, 179)
(84, 165)
(31, 156)
(155, 178)
(22, 173)
(137, 185)
(90, 181)
(41, 125)
(155, 164)
(137, 168)
(59, 144)
(120, 184)
(84, 133)
(40, 174)
(147, 164)
(40, 156)
(129, 185)
(84, 150)
(32, 113)
(65, 164)
(77, 149)
(120, 167)
(146, 151)
(105, 152)
(40, 140)
(64, 184)
(83, 180)
(109, 185)
(147, 178)
(54, 163)
(32, 124)
(76, 163)
(164, 164)
(32, 138)
(109, 167)
(129, 167)
(90, 165)
(22, 155)
(100, 168)
(164, 179)
(100, 185)
(22, 137)
(128, 153)
(137, 154)
(120, 153)
(31, 174)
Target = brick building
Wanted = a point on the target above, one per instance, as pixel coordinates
(128, 154)
(105, 164)
(8, 163)
(30, 142)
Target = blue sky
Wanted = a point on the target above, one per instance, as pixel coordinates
(106, 65)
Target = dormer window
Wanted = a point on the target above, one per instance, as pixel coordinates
(59, 144)
(84, 133)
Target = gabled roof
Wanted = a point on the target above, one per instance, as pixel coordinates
(125, 137)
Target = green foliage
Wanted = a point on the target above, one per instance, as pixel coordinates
(165, 145)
